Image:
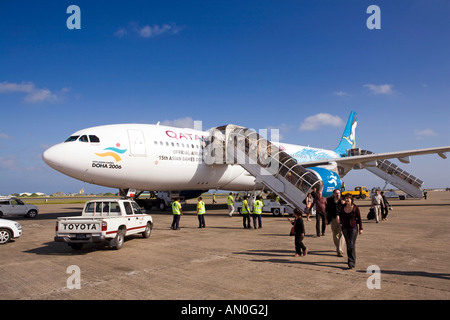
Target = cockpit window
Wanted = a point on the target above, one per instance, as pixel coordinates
(84, 138)
(72, 138)
(94, 138)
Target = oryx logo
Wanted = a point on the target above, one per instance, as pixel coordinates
(332, 179)
(113, 152)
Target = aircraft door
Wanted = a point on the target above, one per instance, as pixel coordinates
(137, 143)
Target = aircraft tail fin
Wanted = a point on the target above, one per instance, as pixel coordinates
(348, 140)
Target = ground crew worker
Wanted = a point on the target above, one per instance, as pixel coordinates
(201, 213)
(245, 213)
(177, 212)
(257, 210)
(230, 203)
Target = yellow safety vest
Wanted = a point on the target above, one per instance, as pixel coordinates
(176, 206)
(257, 207)
(230, 200)
(201, 207)
(244, 207)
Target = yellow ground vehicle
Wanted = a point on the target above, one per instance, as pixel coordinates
(359, 192)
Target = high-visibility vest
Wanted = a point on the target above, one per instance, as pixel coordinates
(230, 200)
(244, 207)
(257, 207)
(176, 206)
(201, 207)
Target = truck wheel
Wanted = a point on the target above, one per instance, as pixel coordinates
(32, 214)
(162, 206)
(148, 230)
(119, 239)
(363, 196)
(276, 212)
(5, 236)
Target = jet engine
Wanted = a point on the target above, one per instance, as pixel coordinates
(330, 179)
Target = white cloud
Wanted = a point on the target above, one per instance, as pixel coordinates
(148, 31)
(319, 120)
(4, 136)
(342, 94)
(8, 163)
(186, 122)
(32, 93)
(425, 133)
(275, 133)
(380, 89)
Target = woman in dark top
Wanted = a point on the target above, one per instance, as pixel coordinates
(350, 220)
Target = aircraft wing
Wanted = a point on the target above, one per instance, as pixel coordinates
(402, 156)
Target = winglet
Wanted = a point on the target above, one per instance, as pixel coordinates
(348, 140)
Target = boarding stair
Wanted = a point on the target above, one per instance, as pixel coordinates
(271, 166)
(392, 174)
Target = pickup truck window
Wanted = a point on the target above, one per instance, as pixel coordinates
(128, 209)
(104, 208)
(136, 208)
(114, 207)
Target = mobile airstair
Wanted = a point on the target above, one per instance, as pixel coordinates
(270, 166)
(392, 174)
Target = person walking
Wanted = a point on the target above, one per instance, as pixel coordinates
(230, 203)
(334, 205)
(177, 212)
(245, 213)
(377, 204)
(257, 211)
(308, 207)
(350, 220)
(385, 211)
(320, 202)
(201, 210)
(299, 233)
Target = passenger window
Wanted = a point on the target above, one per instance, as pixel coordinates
(84, 138)
(128, 209)
(105, 207)
(94, 139)
(4, 203)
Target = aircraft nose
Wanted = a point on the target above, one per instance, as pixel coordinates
(54, 157)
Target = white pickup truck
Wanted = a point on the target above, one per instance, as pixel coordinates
(269, 205)
(104, 220)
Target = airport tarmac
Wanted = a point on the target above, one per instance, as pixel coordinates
(225, 261)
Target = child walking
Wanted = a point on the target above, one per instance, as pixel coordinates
(298, 230)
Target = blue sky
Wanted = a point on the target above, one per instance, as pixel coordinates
(260, 64)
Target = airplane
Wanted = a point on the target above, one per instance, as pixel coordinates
(152, 157)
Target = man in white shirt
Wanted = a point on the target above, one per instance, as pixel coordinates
(377, 204)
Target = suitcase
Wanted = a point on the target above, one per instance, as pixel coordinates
(371, 214)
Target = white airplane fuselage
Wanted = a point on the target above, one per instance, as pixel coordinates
(152, 157)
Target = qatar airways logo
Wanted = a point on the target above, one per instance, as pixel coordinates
(187, 136)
